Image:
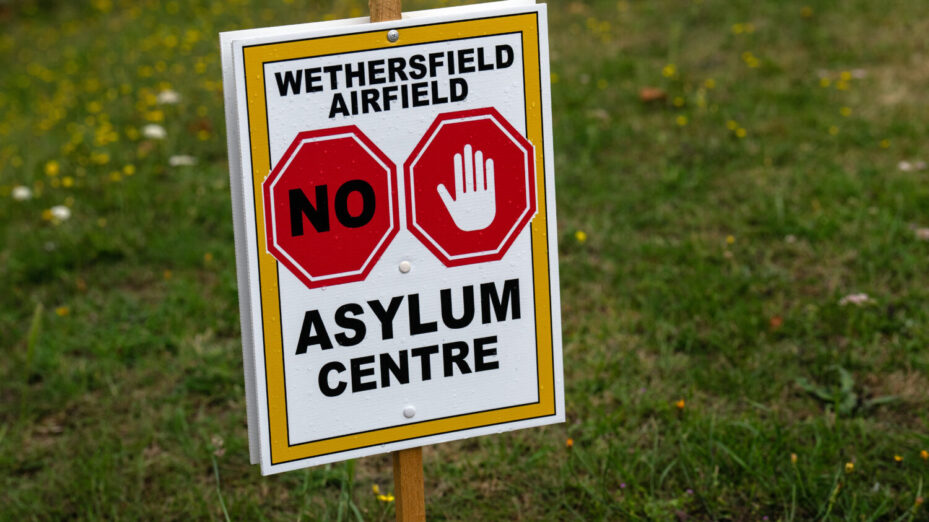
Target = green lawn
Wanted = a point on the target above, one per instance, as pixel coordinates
(712, 228)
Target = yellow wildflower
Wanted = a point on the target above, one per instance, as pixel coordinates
(52, 168)
(678, 101)
(730, 239)
(102, 5)
(709, 83)
(924, 455)
(793, 458)
(740, 132)
(375, 489)
(580, 236)
(849, 467)
(833, 130)
(898, 458)
(884, 144)
(732, 125)
(680, 404)
(569, 443)
(62, 311)
(669, 71)
(386, 498)
(845, 111)
(681, 120)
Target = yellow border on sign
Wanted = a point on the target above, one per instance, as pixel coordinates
(255, 57)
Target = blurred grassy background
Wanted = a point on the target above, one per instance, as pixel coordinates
(744, 242)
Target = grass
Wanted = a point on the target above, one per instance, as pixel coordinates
(711, 371)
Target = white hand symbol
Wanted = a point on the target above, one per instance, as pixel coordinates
(475, 203)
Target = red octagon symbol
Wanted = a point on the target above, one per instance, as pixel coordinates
(470, 187)
(331, 206)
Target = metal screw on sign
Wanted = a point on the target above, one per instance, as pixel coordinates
(393, 35)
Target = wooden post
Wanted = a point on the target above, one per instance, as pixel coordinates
(408, 485)
(384, 10)
(408, 464)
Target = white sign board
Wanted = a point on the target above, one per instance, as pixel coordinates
(394, 206)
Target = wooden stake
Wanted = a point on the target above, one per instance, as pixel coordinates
(408, 485)
(384, 10)
(408, 464)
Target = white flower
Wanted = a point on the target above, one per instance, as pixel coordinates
(182, 160)
(855, 299)
(168, 97)
(21, 193)
(907, 166)
(60, 212)
(153, 131)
